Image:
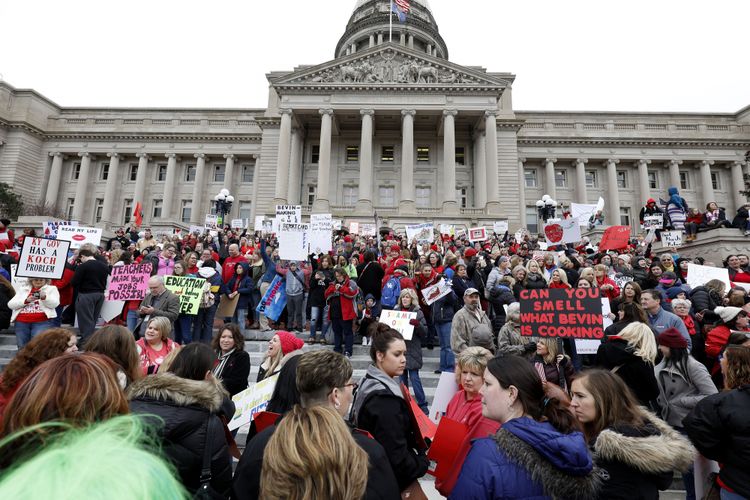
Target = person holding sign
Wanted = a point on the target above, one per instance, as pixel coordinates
(407, 302)
(340, 297)
(33, 308)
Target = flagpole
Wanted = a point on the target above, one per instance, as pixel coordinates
(390, 23)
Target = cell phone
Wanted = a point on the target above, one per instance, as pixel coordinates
(36, 295)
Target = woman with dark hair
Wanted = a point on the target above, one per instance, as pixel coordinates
(370, 275)
(631, 293)
(736, 272)
(655, 270)
(628, 312)
(638, 450)
(714, 217)
(233, 362)
(380, 408)
(117, 343)
(676, 209)
(537, 453)
(340, 296)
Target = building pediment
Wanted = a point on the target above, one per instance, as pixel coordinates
(389, 67)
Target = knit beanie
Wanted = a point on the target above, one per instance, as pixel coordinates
(289, 342)
(727, 314)
(672, 338)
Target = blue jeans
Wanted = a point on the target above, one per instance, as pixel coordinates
(132, 319)
(570, 345)
(432, 333)
(203, 324)
(27, 331)
(447, 358)
(342, 331)
(57, 320)
(725, 495)
(688, 478)
(417, 384)
(316, 321)
(183, 329)
(240, 315)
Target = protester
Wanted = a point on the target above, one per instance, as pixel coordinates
(213, 288)
(89, 282)
(370, 314)
(471, 326)
(233, 362)
(117, 343)
(509, 339)
(552, 364)
(282, 344)
(241, 285)
(676, 210)
(659, 318)
(340, 296)
(155, 344)
(407, 302)
(33, 309)
(443, 310)
(158, 302)
(317, 302)
(730, 318)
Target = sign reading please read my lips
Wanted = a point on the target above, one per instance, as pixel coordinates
(79, 235)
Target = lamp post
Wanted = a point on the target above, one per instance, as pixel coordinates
(546, 208)
(223, 202)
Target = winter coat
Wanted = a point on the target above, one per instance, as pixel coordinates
(500, 295)
(633, 370)
(527, 459)
(187, 422)
(461, 284)
(640, 461)
(740, 220)
(244, 288)
(235, 373)
(317, 297)
(414, 346)
(719, 426)
(444, 309)
(464, 324)
(560, 374)
(63, 285)
(678, 395)
(346, 295)
(370, 278)
(380, 409)
(510, 341)
(534, 281)
(5, 312)
(47, 306)
(295, 280)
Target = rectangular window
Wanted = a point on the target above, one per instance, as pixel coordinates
(219, 173)
(591, 179)
(684, 180)
(351, 195)
(532, 220)
(561, 178)
(386, 153)
(76, 171)
(529, 177)
(423, 153)
(161, 172)
(247, 173)
(622, 179)
(69, 208)
(186, 211)
(104, 172)
(653, 180)
(460, 155)
(245, 208)
(624, 216)
(156, 212)
(424, 196)
(99, 204)
(462, 195)
(127, 211)
(387, 195)
(352, 154)
(133, 172)
(311, 192)
(314, 153)
(189, 173)
(715, 183)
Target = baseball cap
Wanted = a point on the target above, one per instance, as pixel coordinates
(471, 291)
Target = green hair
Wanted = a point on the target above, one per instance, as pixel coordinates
(107, 460)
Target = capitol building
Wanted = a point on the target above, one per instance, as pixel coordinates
(387, 126)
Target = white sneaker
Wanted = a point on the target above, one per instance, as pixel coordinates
(364, 340)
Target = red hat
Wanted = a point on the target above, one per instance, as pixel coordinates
(395, 248)
(289, 342)
(469, 253)
(671, 337)
(347, 239)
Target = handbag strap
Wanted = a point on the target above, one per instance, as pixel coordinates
(206, 467)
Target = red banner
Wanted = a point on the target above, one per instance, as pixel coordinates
(615, 238)
(424, 427)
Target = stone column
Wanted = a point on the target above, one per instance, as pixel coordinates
(480, 171)
(380, 38)
(643, 187)
(406, 203)
(493, 193)
(411, 41)
(229, 171)
(613, 197)
(254, 205)
(708, 187)
(196, 215)
(82, 187)
(282, 164)
(581, 193)
(169, 186)
(372, 41)
(674, 173)
(55, 176)
(111, 188)
(449, 162)
(364, 203)
(522, 192)
(549, 178)
(295, 167)
(322, 202)
(738, 184)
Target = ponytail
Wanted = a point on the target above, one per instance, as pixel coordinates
(557, 414)
(381, 336)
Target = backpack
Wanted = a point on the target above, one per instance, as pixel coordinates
(390, 293)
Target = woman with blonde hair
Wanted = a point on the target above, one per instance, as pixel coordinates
(552, 364)
(558, 279)
(33, 308)
(631, 355)
(534, 279)
(155, 344)
(281, 345)
(587, 273)
(312, 454)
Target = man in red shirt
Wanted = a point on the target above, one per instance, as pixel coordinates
(231, 262)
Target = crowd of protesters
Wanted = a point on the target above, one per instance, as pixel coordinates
(666, 388)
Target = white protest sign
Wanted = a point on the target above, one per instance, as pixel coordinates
(477, 234)
(582, 212)
(367, 229)
(337, 224)
(500, 227)
(563, 231)
(436, 291)
(354, 227)
(42, 258)
(13, 278)
(321, 233)
(655, 221)
(621, 280)
(671, 239)
(251, 401)
(590, 346)
(399, 321)
(49, 228)
(448, 229)
(258, 226)
(521, 234)
(700, 275)
(211, 221)
(291, 214)
(197, 229)
(446, 389)
(78, 235)
(293, 241)
(422, 232)
(237, 223)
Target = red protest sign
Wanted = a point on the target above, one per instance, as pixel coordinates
(572, 313)
(449, 437)
(421, 423)
(265, 419)
(614, 238)
(129, 282)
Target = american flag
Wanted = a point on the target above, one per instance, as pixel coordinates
(400, 8)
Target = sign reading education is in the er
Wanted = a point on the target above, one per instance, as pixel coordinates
(188, 289)
(565, 313)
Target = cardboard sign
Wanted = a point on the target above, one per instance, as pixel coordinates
(227, 306)
(49, 228)
(274, 301)
(671, 239)
(700, 275)
(79, 235)
(129, 282)
(42, 258)
(251, 401)
(446, 389)
(655, 221)
(477, 234)
(399, 321)
(564, 313)
(436, 291)
(449, 437)
(423, 233)
(615, 238)
(564, 231)
(293, 241)
(421, 423)
(188, 289)
(448, 229)
(211, 221)
(291, 214)
(320, 235)
(110, 310)
(500, 227)
(238, 223)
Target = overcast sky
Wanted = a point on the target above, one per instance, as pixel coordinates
(655, 55)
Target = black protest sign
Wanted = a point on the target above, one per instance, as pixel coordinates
(566, 313)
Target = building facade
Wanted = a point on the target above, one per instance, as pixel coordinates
(388, 126)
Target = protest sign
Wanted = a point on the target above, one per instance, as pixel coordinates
(591, 346)
(448, 229)
(354, 227)
(258, 226)
(78, 235)
(321, 222)
(446, 447)
(671, 239)
(293, 241)
(274, 301)
(500, 227)
(42, 258)
(399, 321)
(615, 238)
(49, 228)
(700, 275)
(423, 233)
(129, 282)
(265, 419)
(227, 306)
(477, 234)
(564, 231)
(521, 235)
(321, 233)
(444, 392)
(367, 229)
(110, 310)
(238, 223)
(436, 291)
(189, 290)
(197, 229)
(13, 277)
(621, 280)
(582, 212)
(291, 214)
(422, 425)
(251, 401)
(211, 221)
(564, 313)
(655, 221)
(337, 224)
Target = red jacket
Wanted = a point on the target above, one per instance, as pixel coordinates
(346, 295)
(610, 294)
(227, 270)
(64, 287)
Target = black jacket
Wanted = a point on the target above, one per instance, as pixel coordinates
(719, 426)
(90, 277)
(740, 220)
(316, 297)
(705, 299)
(535, 281)
(500, 295)
(5, 312)
(187, 422)
(381, 483)
(236, 371)
(370, 279)
(633, 370)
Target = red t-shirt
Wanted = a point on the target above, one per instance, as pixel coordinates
(31, 311)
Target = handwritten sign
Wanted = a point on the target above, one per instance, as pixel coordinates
(211, 221)
(78, 235)
(291, 214)
(448, 229)
(655, 221)
(49, 228)
(671, 239)
(237, 223)
(700, 275)
(399, 321)
(500, 227)
(367, 229)
(423, 233)
(258, 225)
(354, 227)
(188, 289)
(42, 258)
(565, 313)
(293, 241)
(251, 401)
(129, 282)
(436, 291)
(321, 233)
(477, 234)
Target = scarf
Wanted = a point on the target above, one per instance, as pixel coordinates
(221, 362)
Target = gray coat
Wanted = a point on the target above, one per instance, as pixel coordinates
(414, 346)
(677, 396)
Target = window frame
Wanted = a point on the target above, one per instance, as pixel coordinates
(104, 171)
(530, 174)
(314, 154)
(188, 168)
(98, 210)
(626, 216)
(594, 177)
(715, 181)
(133, 173)
(385, 157)
(563, 178)
(127, 210)
(161, 171)
(220, 170)
(157, 206)
(460, 157)
(684, 175)
(186, 205)
(382, 200)
(532, 219)
(248, 167)
(346, 197)
(351, 153)
(423, 154)
(425, 202)
(312, 194)
(621, 175)
(76, 170)
(653, 175)
(246, 207)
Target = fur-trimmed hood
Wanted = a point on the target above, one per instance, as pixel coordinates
(208, 394)
(654, 449)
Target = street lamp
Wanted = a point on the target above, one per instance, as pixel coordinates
(223, 202)
(546, 208)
